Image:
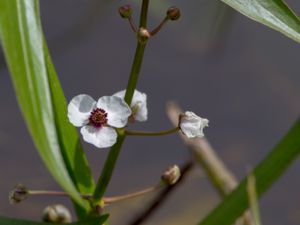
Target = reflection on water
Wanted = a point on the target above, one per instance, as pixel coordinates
(248, 86)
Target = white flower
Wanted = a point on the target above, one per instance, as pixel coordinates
(97, 119)
(138, 105)
(192, 125)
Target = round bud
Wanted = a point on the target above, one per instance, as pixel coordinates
(171, 175)
(18, 194)
(143, 34)
(125, 11)
(57, 214)
(173, 13)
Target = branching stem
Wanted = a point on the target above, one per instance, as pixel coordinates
(106, 200)
(111, 160)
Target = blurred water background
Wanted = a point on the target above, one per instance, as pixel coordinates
(242, 76)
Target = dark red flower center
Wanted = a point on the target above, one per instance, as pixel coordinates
(98, 117)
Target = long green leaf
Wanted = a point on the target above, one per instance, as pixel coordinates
(71, 148)
(9, 221)
(40, 96)
(273, 13)
(266, 173)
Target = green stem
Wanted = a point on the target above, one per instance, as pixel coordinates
(107, 170)
(111, 160)
(138, 57)
(135, 70)
(147, 133)
(144, 12)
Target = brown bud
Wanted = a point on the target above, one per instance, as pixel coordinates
(173, 13)
(18, 194)
(171, 175)
(57, 214)
(125, 11)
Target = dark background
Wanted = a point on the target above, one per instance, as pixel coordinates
(242, 76)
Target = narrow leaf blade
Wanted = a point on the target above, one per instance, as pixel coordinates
(266, 173)
(23, 44)
(273, 13)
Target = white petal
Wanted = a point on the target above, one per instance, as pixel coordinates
(79, 109)
(138, 104)
(120, 94)
(117, 110)
(192, 125)
(100, 137)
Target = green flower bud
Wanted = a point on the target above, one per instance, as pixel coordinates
(173, 13)
(125, 11)
(57, 214)
(18, 194)
(171, 175)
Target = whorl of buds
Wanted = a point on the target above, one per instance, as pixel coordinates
(18, 194)
(57, 214)
(171, 175)
(173, 13)
(143, 34)
(125, 11)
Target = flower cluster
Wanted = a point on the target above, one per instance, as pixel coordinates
(100, 119)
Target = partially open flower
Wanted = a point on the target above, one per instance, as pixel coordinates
(98, 119)
(192, 125)
(138, 105)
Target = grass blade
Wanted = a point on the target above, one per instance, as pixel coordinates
(266, 173)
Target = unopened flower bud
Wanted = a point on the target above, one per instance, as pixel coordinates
(18, 194)
(171, 175)
(173, 13)
(57, 214)
(125, 11)
(143, 34)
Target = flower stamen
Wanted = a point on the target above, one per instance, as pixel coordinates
(98, 118)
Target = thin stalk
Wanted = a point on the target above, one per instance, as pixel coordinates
(147, 133)
(158, 28)
(111, 160)
(162, 197)
(56, 193)
(132, 24)
(106, 200)
(109, 200)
